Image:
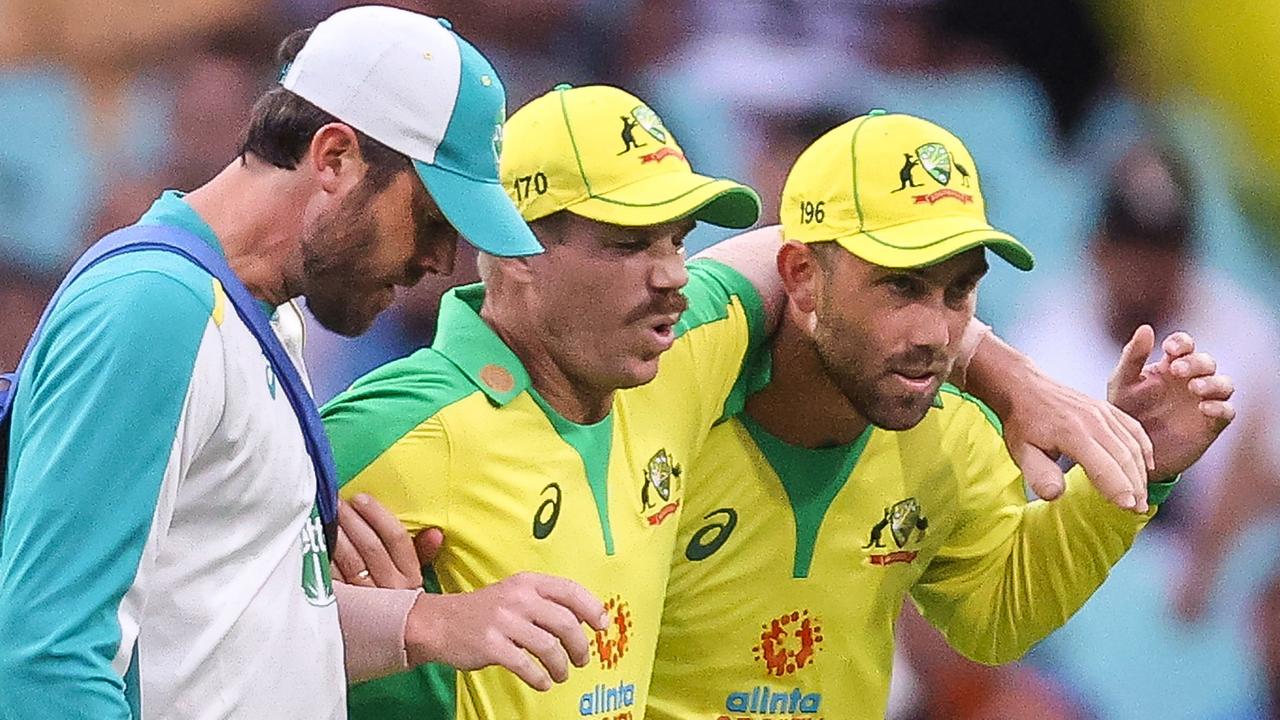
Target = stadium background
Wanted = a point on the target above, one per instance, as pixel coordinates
(103, 104)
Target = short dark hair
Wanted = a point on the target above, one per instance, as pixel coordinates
(282, 124)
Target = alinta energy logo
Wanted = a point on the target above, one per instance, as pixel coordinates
(612, 643)
(789, 643)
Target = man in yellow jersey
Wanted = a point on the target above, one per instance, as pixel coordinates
(856, 477)
(540, 433)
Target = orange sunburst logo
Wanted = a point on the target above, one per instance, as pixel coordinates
(611, 644)
(788, 643)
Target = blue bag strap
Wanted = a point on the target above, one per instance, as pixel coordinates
(168, 238)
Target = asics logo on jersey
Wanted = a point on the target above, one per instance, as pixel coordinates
(711, 536)
(545, 517)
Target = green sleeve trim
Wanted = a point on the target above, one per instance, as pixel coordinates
(1158, 492)
(987, 412)
(379, 409)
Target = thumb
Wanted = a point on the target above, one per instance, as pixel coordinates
(1134, 356)
(1040, 471)
(427, 544)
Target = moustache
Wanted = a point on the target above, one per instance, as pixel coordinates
(673, 304)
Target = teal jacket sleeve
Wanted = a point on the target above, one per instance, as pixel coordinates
(93, 442)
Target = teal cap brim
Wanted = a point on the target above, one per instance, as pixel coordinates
(480, 211)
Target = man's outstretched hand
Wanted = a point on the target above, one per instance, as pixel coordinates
(1180, 400)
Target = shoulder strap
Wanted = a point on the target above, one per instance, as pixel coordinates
(168, 238)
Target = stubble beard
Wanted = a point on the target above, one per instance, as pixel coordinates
(335, 268)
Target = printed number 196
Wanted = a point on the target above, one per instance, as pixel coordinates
(812, 212)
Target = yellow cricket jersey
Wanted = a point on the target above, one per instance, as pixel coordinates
(455, 437)
(792, 564)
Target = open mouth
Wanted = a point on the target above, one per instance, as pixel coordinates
(917, 382)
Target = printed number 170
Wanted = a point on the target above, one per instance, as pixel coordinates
(523, 185)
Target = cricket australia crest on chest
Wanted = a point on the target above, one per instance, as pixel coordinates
(897, 536)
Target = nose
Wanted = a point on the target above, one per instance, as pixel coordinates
(669, 272)
(440, 256)
(930, 326)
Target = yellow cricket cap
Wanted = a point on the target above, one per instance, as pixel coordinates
(895, 190)
(600, 152)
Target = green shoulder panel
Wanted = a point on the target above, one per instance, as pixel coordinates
(711, 289)
(365, 420)
(987, 412)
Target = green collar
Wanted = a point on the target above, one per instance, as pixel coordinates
(469, 342)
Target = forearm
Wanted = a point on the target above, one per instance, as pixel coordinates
(994, 605)
(995, 371)
(373, 624)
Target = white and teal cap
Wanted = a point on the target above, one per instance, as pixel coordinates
(411, 83)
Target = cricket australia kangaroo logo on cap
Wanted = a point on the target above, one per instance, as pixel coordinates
(939, 164)
(651, 123)
(643, 117)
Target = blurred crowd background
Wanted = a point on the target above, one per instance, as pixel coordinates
(1129, 143)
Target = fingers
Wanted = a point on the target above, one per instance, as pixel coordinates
(1214, 387)
(520, 662)
(545, 647)
(1132, 432)
(382, 571)
(584, 606)
(567, 629)
(1106, 474)
(1039, 470)
(1220, 410)
(1193, 365)
(427, 546)
(1134, 355)
(1119, 442)
(347, 560)
(391, 535)
(1177, 345)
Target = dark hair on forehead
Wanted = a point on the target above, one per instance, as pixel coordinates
(282, 124)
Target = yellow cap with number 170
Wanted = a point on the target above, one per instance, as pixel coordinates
(895, 190)
(600, 152)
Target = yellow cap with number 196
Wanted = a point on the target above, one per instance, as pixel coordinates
(895, 190)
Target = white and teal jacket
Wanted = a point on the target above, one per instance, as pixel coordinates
(159, 551)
